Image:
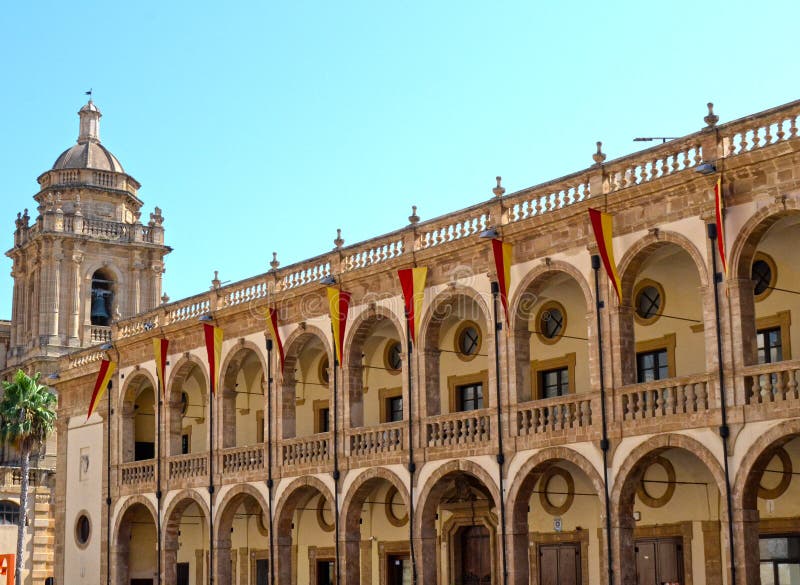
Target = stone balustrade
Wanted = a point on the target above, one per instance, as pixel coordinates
(243, 459)
(385, 438)
(772, 383)
(460, 428)
(311, 450)
(188, 466)
(665, 398)
(99, 334)
(137, 473)
(556, 414)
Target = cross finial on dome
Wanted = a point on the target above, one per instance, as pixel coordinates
(90, 122)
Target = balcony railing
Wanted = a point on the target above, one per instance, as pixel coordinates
(772, 383)
(665, 398)
(555, 414)
(385, 438)
(243, 459)
(186, 466)
(137, 472)
(460, 428)
(313, 449)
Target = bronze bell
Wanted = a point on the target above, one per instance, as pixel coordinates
(100, 313)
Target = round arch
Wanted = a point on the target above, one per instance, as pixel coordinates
(130, 502)
(297, 340)
(362, 326)
(233, 360)
(538, 278)
(360, 489)
(182, 368)
(431, 322)
(231, 501)
(752, 232)
(642, 248)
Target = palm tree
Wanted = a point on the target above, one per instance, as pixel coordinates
(27, 416)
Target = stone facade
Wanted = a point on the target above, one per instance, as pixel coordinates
(493, 467)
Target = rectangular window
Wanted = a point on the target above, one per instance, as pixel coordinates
(259, 426)
(770, 348)
(184, 444)
(554, 383)
(394, 409)
(323, 420)
(652, 365)
(780, 559)
(470, 397)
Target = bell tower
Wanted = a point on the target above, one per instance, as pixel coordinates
(86, 259)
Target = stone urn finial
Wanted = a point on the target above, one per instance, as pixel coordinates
(599, 157)
(215, 282)
(711, 119)
(339, 241)
(499, 190)
(274, 263)
(164, 298)
(413, 219)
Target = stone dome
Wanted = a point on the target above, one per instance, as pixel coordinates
(88, 153)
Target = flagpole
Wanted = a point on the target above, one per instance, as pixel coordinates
(108, 489)
(336, 463)
(500, 453)
(724, 430)
(269, 461)
(604, 444)
(158, 472)
(211, 482)
(412, 467)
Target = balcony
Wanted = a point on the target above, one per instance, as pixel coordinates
(772, 390)
(313, 450)
(674, 403)
(379, 444)
(459, 429)
(562, 419)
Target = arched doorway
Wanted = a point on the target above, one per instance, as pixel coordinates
(373, 370)
(139, 420)
(186, 541)
(556, 520)
(767, 516)
(188, 409)
(375, 524)
(457, 527)
(243, 400)
(668, 510)
(304, 534)
(242, 545)
(136, 545)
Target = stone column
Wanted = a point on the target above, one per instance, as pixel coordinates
(222, 561)
(353, 407)
(136, 277)
(742, 308)
(77, 293)
(745, 539)
(244, 566)
(155, 298)
(428, 388)
(350, 547)
(55, 304)
(517, 543)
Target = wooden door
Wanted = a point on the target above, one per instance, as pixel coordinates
(659, 561)
(476, 557)
(560, 564)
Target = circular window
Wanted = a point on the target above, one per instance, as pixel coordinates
(184, 402)
(551, 322)
(648, 300)
(772, 492)
(653, 482)
(324, 374)
(468, 340)
(394, 505)
(393, 357)
(559, 483)
(83, 530)
(764, 273)
(322, 515)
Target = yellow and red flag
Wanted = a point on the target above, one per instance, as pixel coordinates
(160, 346)
(412, 281)
(274, 332)
(718, 208)
(107, 368)
(502, 262)
(213, 335)
(339, 303)
(601, 224)
(7, 568)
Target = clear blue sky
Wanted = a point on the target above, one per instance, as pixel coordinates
(261, 126)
